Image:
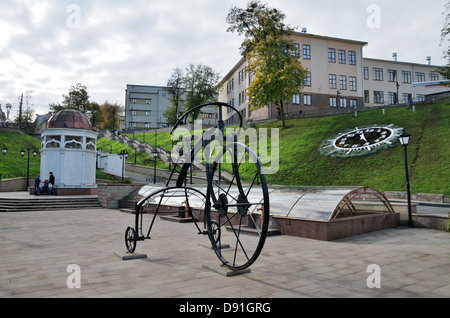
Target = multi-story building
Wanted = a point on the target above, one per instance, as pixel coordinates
(145, 107)
(338, 79)
(393, 82)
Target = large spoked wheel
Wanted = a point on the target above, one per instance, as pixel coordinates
(130, 239)
(239, 202)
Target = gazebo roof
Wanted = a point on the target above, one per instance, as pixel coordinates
(69, 118)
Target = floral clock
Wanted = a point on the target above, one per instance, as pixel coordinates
(361, 141)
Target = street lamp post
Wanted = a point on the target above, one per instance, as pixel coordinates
(404, 140)
(397, 99)
(22, 153)
(155, 156)
(338, 99)
(124, 154)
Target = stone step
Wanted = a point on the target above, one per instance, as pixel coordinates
(8, 205)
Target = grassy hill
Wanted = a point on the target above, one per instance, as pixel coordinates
(428, 152)
(301, 163)
(13, 164)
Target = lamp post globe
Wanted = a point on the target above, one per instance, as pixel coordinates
(404, 138)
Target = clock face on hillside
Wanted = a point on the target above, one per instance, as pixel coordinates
(361, 141)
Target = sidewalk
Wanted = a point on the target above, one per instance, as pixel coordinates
(36, 249)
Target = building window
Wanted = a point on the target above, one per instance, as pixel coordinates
(434, 76)
(351, 58)
(353, 103)
(366, 97)
(332, 101)
(230, 86)
(133, 112)
(366, 72)
(343, 102)
(90, 143)
(352, 83)
(147, 125)
(148, 101)
(377, 74)
(406, 77)
(392, 75)
(342, 57)
(405, 98)
(420, 98)
(73, 142)
(134, 101)
(53, 142)
(308, 79)
(332, 81)
(392, 98)
(378, 97)
(420, 77)
(148, 113)
(296, 99)
(306, 51)
(306, 99)
(343, 82)
(296, 50)
(332, 55)
(242, 75)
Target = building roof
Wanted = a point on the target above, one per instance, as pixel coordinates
(69, 118)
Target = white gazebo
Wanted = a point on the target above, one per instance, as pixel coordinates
(68, 150)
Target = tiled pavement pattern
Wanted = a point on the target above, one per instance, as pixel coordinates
(36, 249)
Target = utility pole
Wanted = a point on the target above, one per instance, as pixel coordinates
(20, 110)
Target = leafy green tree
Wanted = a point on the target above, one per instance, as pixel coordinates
(175, 90)
(110, 116)
(200, 84)
(444, 34)
(78, 99)
(273, 60)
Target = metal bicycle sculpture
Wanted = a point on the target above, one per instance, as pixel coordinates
(235, 211)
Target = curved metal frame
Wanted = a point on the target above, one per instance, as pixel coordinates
(357, 193)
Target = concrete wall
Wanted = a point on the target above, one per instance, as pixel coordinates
(14, 185)
(340, 228)
(109, 195)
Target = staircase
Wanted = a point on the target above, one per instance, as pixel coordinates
(48, 204)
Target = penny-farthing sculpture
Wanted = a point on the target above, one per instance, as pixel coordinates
(235, 204)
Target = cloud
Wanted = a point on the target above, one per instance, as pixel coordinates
(49, 45)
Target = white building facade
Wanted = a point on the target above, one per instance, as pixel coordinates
(339, 79)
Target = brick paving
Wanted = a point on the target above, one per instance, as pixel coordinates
(36, 249)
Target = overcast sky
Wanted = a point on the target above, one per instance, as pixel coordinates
(49, 45)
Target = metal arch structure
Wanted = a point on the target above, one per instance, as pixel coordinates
(365, 193)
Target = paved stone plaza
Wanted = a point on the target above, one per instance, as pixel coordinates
(36, 249)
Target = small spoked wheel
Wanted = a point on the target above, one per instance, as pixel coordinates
(215, 231)
(130, 239)
(239, 205)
